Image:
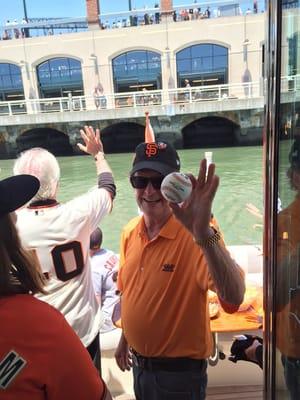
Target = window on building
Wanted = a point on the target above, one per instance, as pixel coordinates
(11, 85)
(58, 77)
(293, 54)
(202, 65)
(136, 70)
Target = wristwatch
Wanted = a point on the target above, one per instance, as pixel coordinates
(210, 241)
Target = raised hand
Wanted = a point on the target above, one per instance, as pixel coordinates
(92, 141)
(195, 212)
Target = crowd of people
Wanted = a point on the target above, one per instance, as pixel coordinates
(59, 287)
(13, 29)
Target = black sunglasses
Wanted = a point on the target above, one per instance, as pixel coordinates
(141, 182)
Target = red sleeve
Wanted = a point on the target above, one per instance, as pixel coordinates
(72, 374)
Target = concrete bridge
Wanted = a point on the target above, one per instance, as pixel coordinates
(185, 119)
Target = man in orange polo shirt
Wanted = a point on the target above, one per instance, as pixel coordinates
(170, 256)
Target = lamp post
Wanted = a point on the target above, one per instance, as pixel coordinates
(130, 14)
(25, 31)
(25, 10)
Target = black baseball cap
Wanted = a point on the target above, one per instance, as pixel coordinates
(158, 156)
(294, 156)
(17, 191)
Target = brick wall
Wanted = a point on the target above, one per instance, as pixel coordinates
(92, 11)
(166, 5)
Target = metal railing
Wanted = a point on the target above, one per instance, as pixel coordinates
(181, 96)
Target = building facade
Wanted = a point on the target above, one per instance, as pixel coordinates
(224, 50)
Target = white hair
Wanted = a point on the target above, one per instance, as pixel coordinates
(43, 165)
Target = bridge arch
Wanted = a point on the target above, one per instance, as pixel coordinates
(213, 131)
(58, 76)
(137, 69)
(53, 140)
(122, 137)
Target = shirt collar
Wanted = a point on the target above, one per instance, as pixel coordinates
(168, 231)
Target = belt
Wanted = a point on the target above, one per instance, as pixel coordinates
(168, 364)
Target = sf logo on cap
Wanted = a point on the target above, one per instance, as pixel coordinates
(151, 149)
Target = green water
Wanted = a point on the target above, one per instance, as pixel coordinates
(239, 168)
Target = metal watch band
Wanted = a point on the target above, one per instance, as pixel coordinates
(209, 242)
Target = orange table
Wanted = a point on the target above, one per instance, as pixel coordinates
(240, 321)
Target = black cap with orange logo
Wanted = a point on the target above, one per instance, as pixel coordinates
(158, 156)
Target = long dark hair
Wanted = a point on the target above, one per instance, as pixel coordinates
(20, 271)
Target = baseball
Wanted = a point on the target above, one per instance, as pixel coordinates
(176, 187)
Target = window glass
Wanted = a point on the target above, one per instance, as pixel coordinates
(201, 50)
(142, 66)
(11, 82)
(203, 59)
(60, 75)
(183, 54)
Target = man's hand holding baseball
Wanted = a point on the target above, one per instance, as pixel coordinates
(195, 212)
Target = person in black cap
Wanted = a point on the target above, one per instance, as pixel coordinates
(40, 355)
(170, 256)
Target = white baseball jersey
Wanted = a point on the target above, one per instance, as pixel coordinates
(60, 235)
(104, 265)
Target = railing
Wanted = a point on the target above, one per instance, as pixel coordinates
(181, 96)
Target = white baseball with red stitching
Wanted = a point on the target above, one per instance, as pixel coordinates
(176, 187)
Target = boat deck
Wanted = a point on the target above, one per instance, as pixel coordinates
(235, 392)
(242, 392)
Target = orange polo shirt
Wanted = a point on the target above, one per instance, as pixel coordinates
(164, 285)
(288, 251)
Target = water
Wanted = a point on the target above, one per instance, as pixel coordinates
(239, 168)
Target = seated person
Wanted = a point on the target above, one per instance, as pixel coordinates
(41, 357)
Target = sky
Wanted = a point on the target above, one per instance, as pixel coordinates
(13, 9)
